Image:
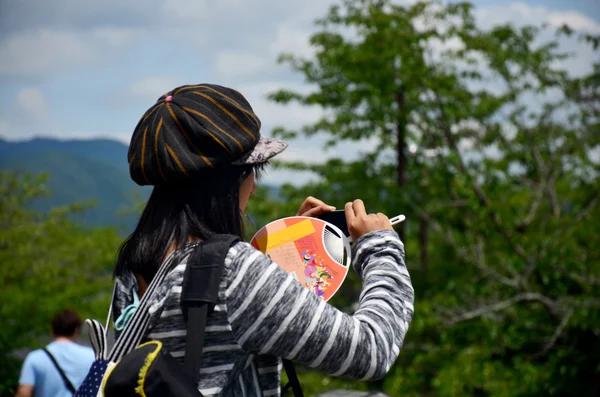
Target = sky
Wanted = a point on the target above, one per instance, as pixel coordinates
(89, 69)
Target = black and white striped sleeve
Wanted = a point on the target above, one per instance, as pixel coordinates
(271, 313)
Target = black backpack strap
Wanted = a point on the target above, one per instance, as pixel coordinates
(68, 383)
(199, 294)
(293, 381)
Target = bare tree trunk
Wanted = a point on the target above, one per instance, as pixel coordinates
(401, 146)
(401, 142)
(424, 243)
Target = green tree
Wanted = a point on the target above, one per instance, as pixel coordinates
(490, 148)
(47, 263)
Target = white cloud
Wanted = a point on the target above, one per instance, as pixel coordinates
(46, 50)
(255, 56)
(281, 176)
(40, 51)
(291, 39)
(151, 88)
(12, 131)
(273, 114)
(4, 129)
(182, 10)
(123, 137)
(240, 64)
(574, 20)
(33, 102)
(113, 37)
(521, 14)
(594, 155)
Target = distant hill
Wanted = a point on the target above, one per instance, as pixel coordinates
(105, 151)
(82, 170)
(79, 170)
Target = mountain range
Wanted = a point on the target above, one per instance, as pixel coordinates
(92, 170)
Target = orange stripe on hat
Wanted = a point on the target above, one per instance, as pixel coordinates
(172, 113)
(185, 87)
(143, 154)
(197, 113)
(160, 123)
(172, 153)
(227, 112)
(153, 110)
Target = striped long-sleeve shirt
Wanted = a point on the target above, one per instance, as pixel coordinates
(263, 314)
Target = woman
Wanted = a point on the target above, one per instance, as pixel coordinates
(200, 147)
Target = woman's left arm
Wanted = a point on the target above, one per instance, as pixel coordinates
(271, 313)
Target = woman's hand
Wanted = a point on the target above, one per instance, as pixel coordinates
(359, 222)
(314, 207)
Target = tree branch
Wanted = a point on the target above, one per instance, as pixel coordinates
(547, 171)
(585, 304)
(504, 280)
(481, 196)
(557, 333)
(553, 198)
(563, 233)
(457, 203)
(586, 209)
(479, 261)
(538, 196)
(544, 172)
(588, 280)
(502, 305)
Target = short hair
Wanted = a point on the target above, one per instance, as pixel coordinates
(66, 323)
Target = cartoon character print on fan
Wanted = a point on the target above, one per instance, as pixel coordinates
(317, 275)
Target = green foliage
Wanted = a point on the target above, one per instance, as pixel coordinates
(491, 150)
(47, 263)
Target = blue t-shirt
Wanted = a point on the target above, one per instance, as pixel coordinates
(39, 371)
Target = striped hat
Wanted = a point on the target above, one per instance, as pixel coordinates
(194, 128)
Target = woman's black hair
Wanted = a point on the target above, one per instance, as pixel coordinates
(205, 205)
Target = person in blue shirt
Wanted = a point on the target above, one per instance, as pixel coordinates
(40, 376)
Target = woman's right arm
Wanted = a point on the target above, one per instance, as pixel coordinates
(271, 313)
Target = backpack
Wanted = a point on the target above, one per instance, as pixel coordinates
(147, 369)
(134, 369)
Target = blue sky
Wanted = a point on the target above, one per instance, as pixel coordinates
(83, 69)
